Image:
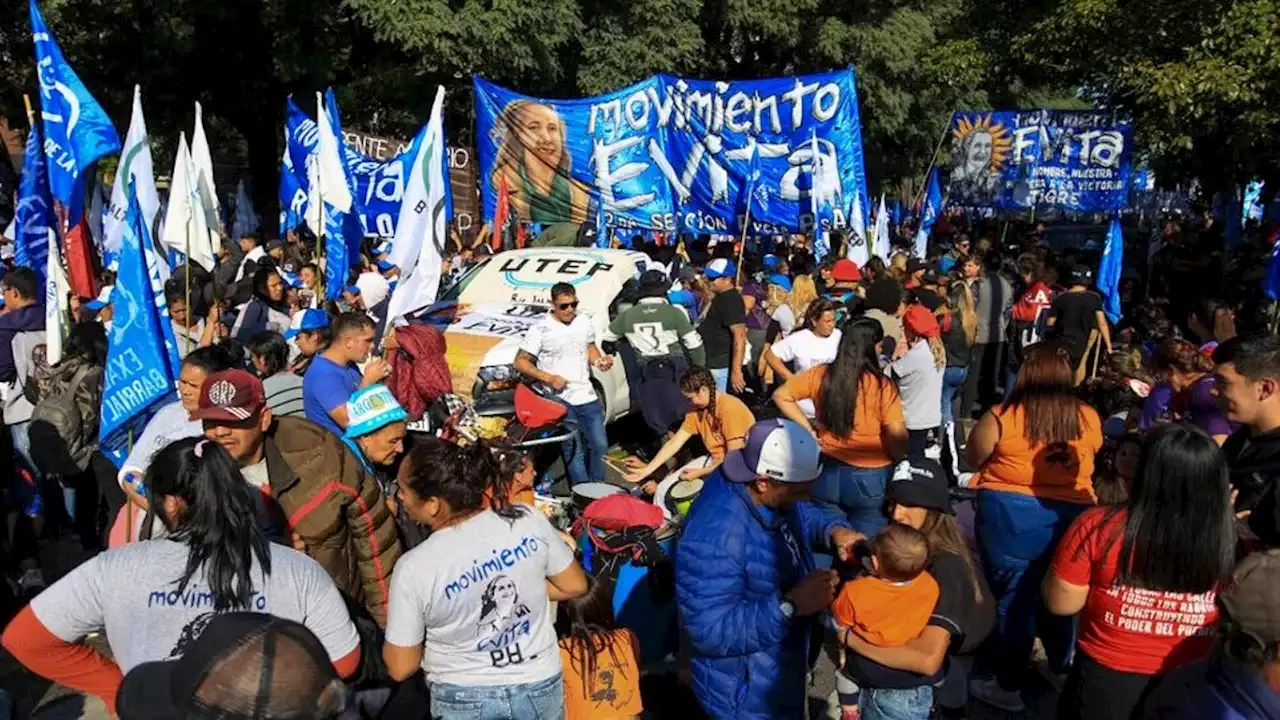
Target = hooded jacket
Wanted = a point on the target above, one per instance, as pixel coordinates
(749, 660)
(337, 509)
(26, 319)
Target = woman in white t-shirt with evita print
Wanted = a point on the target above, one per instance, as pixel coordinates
(469, 605)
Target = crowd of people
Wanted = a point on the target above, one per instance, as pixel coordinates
(921, 468)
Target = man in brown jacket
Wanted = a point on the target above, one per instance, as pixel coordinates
(316, 489)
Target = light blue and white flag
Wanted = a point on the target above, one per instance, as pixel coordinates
(331, 190)
(293, 195)
(929, 214)
(1252, 209)
(76, 129)
(422, 229)
(135, 167)
(1109, 270)
(34, 219)
(142, 364)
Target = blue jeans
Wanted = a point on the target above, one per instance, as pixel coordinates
(1017, 535)
(910, 704)
(952, 383)
(857, 492)
(584, 450)
(722, 379)
(542, 700)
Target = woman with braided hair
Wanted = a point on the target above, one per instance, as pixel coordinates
(720, 419)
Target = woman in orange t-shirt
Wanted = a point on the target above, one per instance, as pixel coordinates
(1035, 457)
(858, 422)
(1143, 575)
(600, 660)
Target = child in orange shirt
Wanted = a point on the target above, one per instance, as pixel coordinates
(889, 606)
(601, 661)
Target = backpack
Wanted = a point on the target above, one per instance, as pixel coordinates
(58, 427)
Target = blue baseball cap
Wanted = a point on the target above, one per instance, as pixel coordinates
(308, 321)
(353, 289)
(720, 267)
(371, 409)
(781, 281)
(770, 262)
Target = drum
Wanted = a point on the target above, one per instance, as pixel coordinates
(683, 494)
(586, 493)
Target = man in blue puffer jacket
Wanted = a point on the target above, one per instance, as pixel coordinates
(745, 578)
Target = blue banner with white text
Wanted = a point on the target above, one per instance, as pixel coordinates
(1019, 159)
(379, 183)
(676, 154)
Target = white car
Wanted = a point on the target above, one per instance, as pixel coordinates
(486, 313)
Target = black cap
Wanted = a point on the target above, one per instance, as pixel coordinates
(654, 283)
(920, 482)
(274, 244)
(1080, 275)
(243, 665)
(916, 265)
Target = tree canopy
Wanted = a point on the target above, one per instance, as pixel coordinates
(1194, 77)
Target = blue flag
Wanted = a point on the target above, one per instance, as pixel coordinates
(929, 213)
(76, 129)
(141, 367)
(33, 218)
(1109, 269)
(602, 226)
(1252, 206)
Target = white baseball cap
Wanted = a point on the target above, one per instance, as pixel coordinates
(720, 267)
(779, 450)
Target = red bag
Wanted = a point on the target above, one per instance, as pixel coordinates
(613, 513)
(534, 411)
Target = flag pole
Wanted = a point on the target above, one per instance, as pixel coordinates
(60, 228)
(933, 161)
(742, 246)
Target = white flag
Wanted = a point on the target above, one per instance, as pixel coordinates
(421, 229)
(184, 223)
(135, 165)
(314, 214)
(883, 244)
(202, 167)
(246, 219)
(57, 303)
(332, 172)
(856, 241)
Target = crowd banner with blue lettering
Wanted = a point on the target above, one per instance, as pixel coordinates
(141, 360)
(1019, 159)
(380, 184)
(76, 129)
(673, 154)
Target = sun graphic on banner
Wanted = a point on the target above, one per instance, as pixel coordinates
(982, 146)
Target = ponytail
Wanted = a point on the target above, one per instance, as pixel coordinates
(468, 478)
(218, 523)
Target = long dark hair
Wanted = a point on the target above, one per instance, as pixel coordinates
(695, 379)
(272, 348)
(1045, 391)
(87, 341)
(586, 626)
(219, 523)
(1179, 533)
(467, 478)
(839, 392)
(260, 278)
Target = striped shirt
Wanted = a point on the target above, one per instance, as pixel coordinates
(284, 394)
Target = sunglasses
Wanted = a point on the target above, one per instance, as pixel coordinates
(567, 306)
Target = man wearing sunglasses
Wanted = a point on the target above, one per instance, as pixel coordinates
(559, 352)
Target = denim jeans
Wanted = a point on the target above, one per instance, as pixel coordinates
(722, 379)
(952, 383)
(542, 700)
(1017, 535)
(584, 450)
(856, 492)
(910, 704)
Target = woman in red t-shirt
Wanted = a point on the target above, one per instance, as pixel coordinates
(1142, 575)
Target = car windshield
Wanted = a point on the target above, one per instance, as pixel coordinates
(454, 291)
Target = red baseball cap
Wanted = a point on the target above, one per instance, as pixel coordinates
(230, 396)
(920, 321)
(845, 271)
